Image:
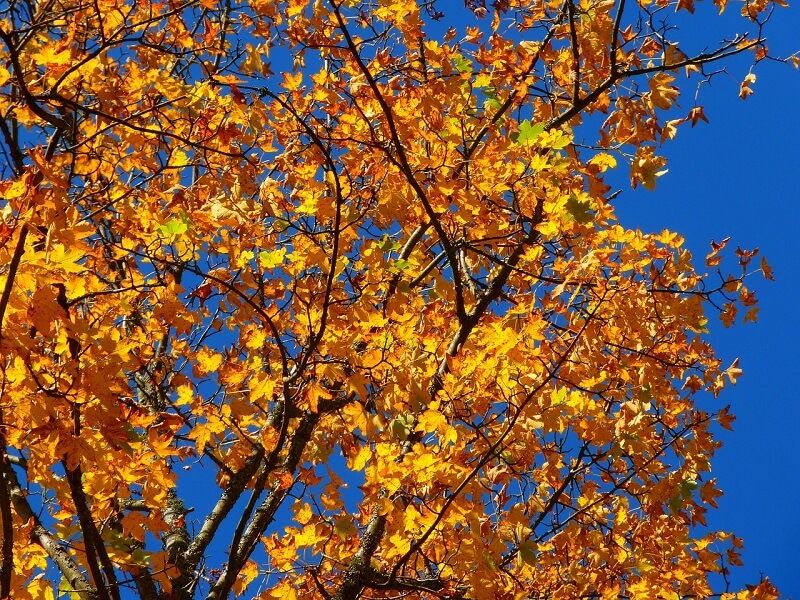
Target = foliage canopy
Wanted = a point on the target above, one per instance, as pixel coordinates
(328, 300)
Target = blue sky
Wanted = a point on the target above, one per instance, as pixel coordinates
(737, 176)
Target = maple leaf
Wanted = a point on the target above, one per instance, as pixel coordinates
(579, 210)
(662, 93)
(697, 114)
(647, 167)
(733, 372)
(208, 361)
(5, 75)
(315, 394)
(270, 260)
(292, 81)
(745, 89)
(173, 229)
(766, 270)
(528, 133)
(51, 55)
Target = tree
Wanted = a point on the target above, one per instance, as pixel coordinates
(328, 300)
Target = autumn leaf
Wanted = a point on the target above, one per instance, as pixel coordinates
(292, 81)
(579, 210)
(316, 393)
(528, 133)
(271, 259)
(733, 372)
(50, 56)
(647, 167)
(746, 89)
(696, 115)
(766, 270)
(172, 229)
(713, 258)
(604, 161)
(662, 93)
(208, 361)
(463, 64)
(295, 7)
(527, 553)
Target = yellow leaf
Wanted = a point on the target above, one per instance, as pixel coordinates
(249, 572)
(66, 260)
(647, 167)
(604, 161)
(44, 309)
(253, 64)
(160, 441)
(292, 81)
(40, 589)
(745, 89)
(16, 189)
(314, 394)
(179, 158)
(185, 395)
(344, 526)
(662, 93)
(271, 259)
(284, 591)
(310, 535)
(733, 372)
(295, 7)
(357, 384)
(50, 56)
(431, 421)
(361, 459)
(208, 361)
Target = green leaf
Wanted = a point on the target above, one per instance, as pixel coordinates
(580, 211)
(687, 487)
(173, 228)
(344, 527)
(387, 244)
(527, 553)
(675, 503)
(491, 104)
(399, 429)
(463, 64)
(683, 494)
(527, 132)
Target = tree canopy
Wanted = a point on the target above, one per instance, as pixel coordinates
(328, 299)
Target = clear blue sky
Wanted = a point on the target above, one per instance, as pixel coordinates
(738, 176)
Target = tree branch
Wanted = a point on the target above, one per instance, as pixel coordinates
(61, 559)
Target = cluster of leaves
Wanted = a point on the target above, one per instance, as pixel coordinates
(347, 281)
